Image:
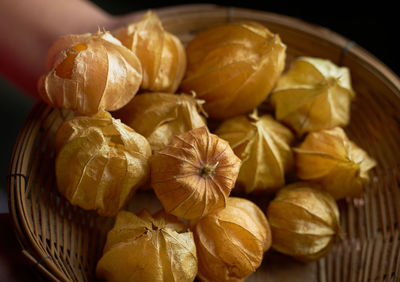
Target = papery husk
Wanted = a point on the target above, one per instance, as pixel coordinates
(233, 67)
(231, 241)
(148, 248)
(90, 72)
(304, 221)
(100, 162)
(161, 53)
(194, 174)
(314, 94)
(331, 159)
(264, 146)
(161, 116)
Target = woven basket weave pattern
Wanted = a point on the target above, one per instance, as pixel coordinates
(65, 242)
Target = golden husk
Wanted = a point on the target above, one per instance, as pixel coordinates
(331, 159)
(233, 67)
(264, 146)
(100, 162)
(194, 174)
(314, 94)
(161, 116)
(161, 53)
(304, 221)
(148, 248)
(90, 72)
(231, 241)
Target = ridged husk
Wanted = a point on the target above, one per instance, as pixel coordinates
(161, 53)
(231, 241)
(331, 159)
(314, 94)
(233, 67)
(304, 221)
(148, 248)
(90, 72)
(161, 116)
(194, 174)
(100, 162)
(264, 146)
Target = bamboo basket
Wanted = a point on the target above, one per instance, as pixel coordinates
(64, 242)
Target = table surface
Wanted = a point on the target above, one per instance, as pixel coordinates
(372, 28)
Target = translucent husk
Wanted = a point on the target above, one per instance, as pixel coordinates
(100, 162)
(304, 221)
(194, 174)
(331, 159)
(148, 248)
(233, 67)
(161, 53)
(264, 146)
(314, 94)
(161, 116)
(90, 72)
(231, 241)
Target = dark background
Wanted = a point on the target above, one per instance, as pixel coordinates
(373, 26)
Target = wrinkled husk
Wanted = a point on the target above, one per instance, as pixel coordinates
(161, 116)
(314, 94)
(231, 241)
(331, 159)
(148, 248)
(233, 67)
(304, 221)
(194, 174)
(100, 162)
(90, 72)
(161, 53)
(264, 146)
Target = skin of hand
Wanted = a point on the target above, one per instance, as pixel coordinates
(28, 28)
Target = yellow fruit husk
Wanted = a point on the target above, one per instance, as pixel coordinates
(231, 241)
(264, 146)
(194, 174)
(304, 221)
(148, 248)
(233, 67)
(90, 72)
(161, 116)
(161, 53)
(314, 94)
(331, 159)
(100, 162)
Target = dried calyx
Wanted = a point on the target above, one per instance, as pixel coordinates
(100, 162)
(264, 146)
(147, 247)
(233, 67)
(160, 116)
(87, 73)
(194, 174)
(314, 94)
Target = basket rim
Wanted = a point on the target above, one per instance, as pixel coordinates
(349, 48)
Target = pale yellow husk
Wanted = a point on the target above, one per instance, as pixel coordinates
(231, 241)
(148, 248)
(331, 159)
(233, 67)
(90, 72)
(100, 162)
(304, 221)
(264, 146)
(161, 53)
(314, 94)
(161, 116)
(194, 174)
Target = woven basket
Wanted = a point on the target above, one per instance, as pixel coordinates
(65, 242)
